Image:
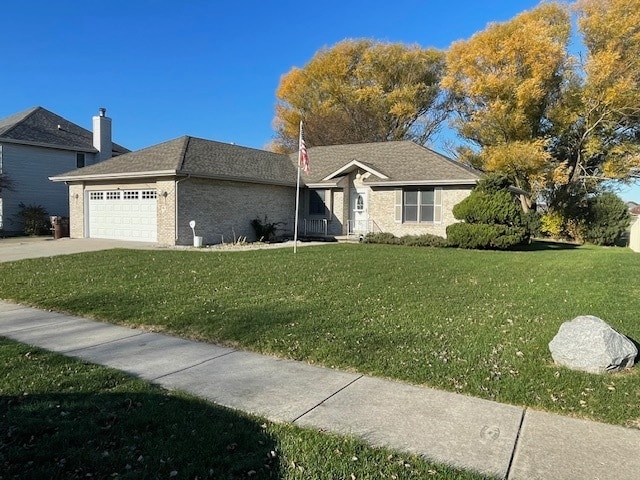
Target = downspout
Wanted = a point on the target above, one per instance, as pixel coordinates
(175, 204)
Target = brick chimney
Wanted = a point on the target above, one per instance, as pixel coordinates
(102, 135)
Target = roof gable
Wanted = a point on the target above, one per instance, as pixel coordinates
(355, 165)
(39, 126)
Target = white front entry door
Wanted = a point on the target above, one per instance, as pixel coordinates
(359, 212)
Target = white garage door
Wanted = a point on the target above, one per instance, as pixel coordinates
(123, 215)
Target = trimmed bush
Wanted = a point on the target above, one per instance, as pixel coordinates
(485, 236)
(424, 240)
(491, 219)
(489, 207)
(385, 238)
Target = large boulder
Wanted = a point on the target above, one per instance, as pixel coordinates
(588, 344)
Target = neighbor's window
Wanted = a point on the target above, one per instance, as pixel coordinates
(420, 206)
(80, 160)
(316, 202)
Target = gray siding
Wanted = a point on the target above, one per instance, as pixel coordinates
(29, 168)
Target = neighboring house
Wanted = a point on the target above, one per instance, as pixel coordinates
(37, 144)
(634, 209)
(152, 194)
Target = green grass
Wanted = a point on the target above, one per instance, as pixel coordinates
(62, 418)
(474, 322)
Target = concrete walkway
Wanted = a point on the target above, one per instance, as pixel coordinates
(491, 438)
(19, 248)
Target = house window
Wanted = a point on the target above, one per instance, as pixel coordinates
(80, 160)
(419, 205)
(316, 202)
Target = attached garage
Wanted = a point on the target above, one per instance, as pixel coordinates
(152, 195)
(122, 215)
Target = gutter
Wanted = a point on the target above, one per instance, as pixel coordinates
(422, 182)
(112, 176)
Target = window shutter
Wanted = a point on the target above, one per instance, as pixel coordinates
(437, 206)
(398, 206)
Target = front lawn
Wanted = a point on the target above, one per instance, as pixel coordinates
(474, 322)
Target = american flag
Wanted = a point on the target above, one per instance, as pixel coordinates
(303, 156)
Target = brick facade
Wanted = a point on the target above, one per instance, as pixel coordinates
(381, 208)
(223, 210)
(382, 212)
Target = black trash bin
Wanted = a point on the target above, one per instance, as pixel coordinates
(60, 227)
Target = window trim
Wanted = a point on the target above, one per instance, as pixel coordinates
(400, 206)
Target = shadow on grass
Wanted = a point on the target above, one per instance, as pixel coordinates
(133, 435)
(545, 245)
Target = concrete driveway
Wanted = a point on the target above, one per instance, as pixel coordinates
(33, 247)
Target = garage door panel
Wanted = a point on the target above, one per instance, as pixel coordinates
(131, 215)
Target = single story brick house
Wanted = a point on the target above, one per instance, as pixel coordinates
(152, 194)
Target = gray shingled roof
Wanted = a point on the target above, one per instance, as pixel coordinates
(194, 156)
(38, 125)
(402, 162)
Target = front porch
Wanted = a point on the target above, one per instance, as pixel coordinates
(319, 229)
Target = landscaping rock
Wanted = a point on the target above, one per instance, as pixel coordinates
(588, 344)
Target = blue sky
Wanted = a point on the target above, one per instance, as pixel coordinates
(209, 69)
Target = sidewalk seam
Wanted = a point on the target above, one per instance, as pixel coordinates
(329, 397)
(515, 444)
(100, 344)
(194, 365)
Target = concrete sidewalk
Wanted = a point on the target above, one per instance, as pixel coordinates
(487, 437)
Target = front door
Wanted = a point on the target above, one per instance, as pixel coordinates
(359, 212)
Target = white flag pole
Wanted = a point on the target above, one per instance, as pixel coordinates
(295, 230)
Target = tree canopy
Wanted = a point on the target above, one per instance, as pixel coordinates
(557, 125)
(361, 91)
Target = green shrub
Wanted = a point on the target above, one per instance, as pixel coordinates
(489, 207)
(485, 236)
(384, 238)
(424, 240)
(491, 219)
(533, 223)
(34, 219)
(606, 220)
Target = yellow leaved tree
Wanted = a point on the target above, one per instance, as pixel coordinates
(559, 126)
(504, 81)
(361, 91)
